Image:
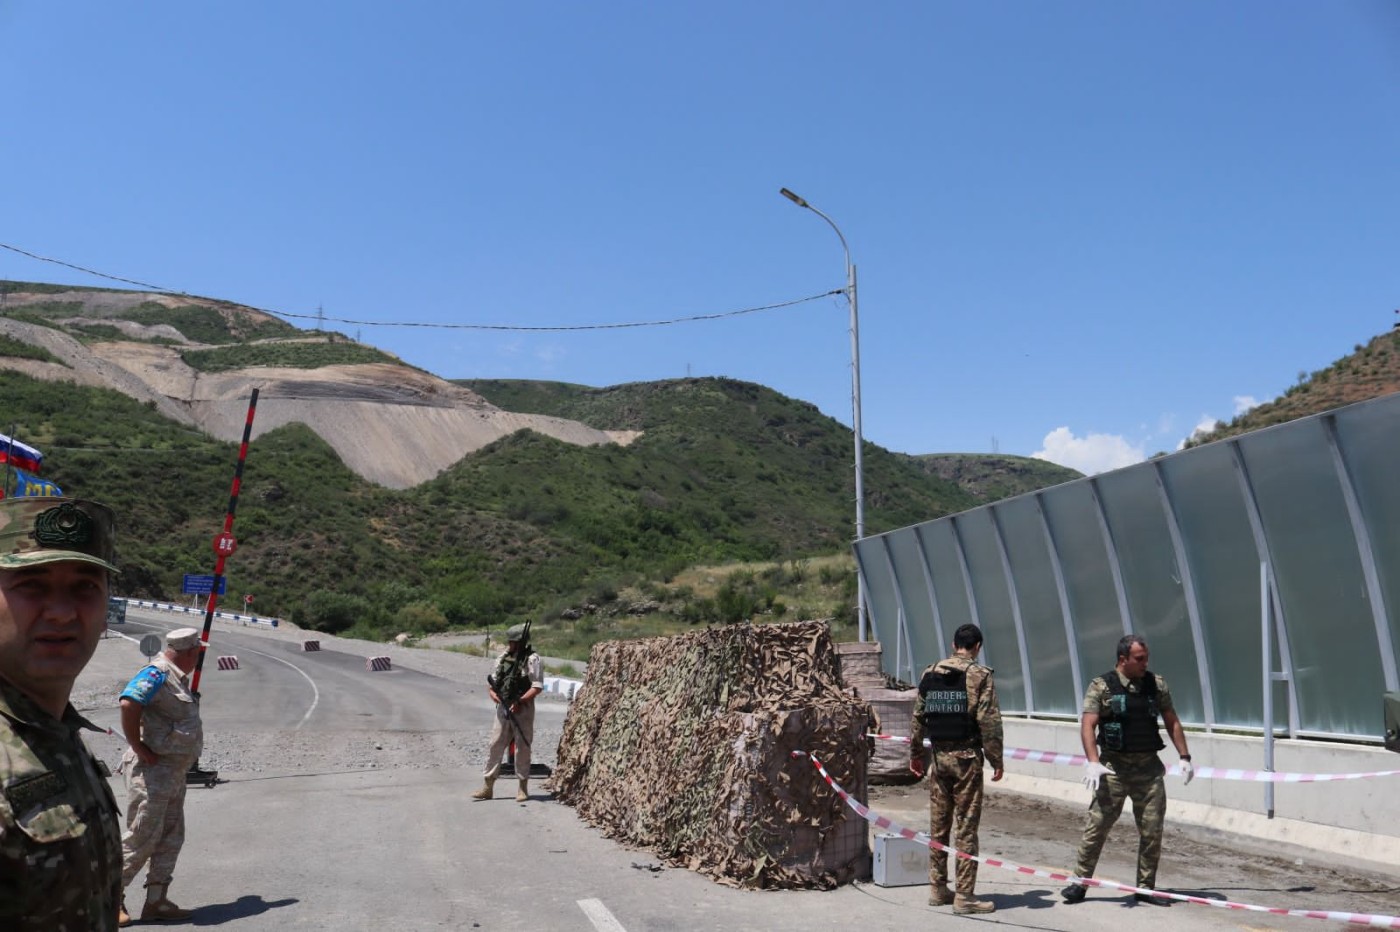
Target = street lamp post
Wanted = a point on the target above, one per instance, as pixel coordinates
(855, 399)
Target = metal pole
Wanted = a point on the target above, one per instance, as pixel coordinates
(220, 554)
(861, 619)
(1267, 641)
(9, 460)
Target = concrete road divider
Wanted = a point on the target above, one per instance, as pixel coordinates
(310, 645)
(228, 663)
(377, 663)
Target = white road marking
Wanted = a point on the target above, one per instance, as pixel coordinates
(598, 914)
(315, 693)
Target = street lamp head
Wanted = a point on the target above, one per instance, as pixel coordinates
(793, 197)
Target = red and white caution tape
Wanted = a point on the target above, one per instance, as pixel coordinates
(883, 822)
(1208, 773)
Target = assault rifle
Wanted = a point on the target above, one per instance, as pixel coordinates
(505, 707)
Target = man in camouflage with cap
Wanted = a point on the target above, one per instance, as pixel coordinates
(160, 718)
(517, 680)
(60, 843)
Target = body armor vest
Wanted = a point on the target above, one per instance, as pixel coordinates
(512, 676)
(946, 714)
(1129, 720)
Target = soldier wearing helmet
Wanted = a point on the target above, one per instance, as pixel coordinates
(517, 680)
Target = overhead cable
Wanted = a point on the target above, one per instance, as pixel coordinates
(403, 323)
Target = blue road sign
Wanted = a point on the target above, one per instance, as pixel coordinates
(203, 585)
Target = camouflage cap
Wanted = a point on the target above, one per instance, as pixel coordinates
(34, 531)
(515, 633)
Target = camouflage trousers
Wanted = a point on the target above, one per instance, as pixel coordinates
(155, 818)
(503, 732)
(1143, 784)
(954, 792)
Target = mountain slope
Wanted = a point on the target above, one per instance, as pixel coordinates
(197, 362)
(992, 477)
(1370, 371)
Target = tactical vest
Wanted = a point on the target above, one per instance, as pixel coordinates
(512, 676)
(1129, 720)
(943, 694)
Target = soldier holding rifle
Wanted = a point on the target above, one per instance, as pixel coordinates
(517, 680)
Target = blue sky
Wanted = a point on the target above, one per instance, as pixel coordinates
(1081, 228)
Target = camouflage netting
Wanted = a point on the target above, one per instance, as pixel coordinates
(682, 745)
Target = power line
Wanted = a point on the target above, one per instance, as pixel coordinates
(320, 315)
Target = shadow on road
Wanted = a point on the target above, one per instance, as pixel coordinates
(241, 908)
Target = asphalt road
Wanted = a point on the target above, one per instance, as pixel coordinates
(346, 807)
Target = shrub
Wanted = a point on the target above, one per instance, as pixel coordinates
(420, 618)
(333, 612)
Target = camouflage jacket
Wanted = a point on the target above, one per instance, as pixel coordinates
(981, 702)
(60, 841)
(170, 723)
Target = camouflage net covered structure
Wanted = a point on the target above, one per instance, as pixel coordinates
(683, 745)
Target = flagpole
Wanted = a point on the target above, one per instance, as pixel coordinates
(9, 459)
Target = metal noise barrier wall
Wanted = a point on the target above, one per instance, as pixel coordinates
(682, 745)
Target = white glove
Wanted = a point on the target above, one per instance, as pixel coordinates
(1093, 773)
(1187, 772)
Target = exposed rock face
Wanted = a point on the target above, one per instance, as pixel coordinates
(392, 425)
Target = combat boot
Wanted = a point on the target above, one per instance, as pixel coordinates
(940, 895)
(159, 908)
(967, 905)
(485, 791)
(523, 794)
(123, 917)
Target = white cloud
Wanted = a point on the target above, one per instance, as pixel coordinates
(1093, 453)
(1244, 402)
(1204, 426)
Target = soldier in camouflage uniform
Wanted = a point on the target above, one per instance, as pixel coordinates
(60, 844)
(957, 712)
(517, 680)
(160, 718)
(1121, 740)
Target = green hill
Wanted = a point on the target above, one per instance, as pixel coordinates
(733, 501)
(1370, 371)
(992, 477)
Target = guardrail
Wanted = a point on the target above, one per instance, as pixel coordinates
(187, 610)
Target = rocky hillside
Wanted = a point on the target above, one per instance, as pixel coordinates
(197, 362)
(1370, 371)
(992, 477)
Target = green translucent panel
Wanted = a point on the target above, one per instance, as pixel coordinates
(923, 635)
(1370, 439)
(1152, 582)
(1093, 604)
(1334, 630)
(1206, 494)
(879, 594)
(948, 586)
(1331, 632)
(1050, 672)
(993, 607)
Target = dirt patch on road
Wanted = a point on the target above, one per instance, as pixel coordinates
(1045, 834)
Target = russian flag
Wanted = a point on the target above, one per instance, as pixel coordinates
(19, 455)
(27, 486)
